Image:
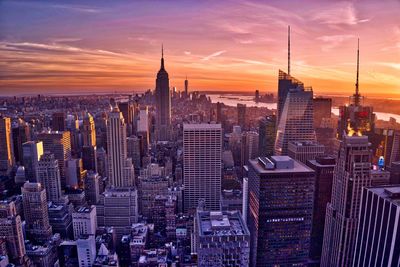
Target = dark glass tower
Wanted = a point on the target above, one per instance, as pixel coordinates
(266, 135)
(281, 195)
(163, 103)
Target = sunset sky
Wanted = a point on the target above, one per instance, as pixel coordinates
(102, 46)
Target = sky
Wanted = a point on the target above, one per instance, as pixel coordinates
(232, 45)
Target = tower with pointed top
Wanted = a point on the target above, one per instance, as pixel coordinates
(295, 111)
(356, 119)
(163, 102)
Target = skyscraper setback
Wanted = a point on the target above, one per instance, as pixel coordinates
(351, 174)
(163, 103)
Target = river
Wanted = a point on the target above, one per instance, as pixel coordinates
(232, 100)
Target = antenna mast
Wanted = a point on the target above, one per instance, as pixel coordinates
(289, 49)
(357, 94)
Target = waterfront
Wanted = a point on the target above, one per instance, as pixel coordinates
(233, 100)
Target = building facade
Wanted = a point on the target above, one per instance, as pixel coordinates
(202, 145)
(281, 196)
(352, 173)
(221, 239)
(121, 172)
(378, 231)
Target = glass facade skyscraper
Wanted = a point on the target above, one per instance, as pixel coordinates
(281, 195)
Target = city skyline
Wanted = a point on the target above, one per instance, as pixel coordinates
(231, 46)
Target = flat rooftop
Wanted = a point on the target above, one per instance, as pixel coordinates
(390, 193)
(306, 143)
(201, 126)
(217, 223)
(84, 209)
(294, 166)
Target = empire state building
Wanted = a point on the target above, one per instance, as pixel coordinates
(163, 103)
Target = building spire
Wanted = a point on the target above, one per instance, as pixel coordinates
(289, 49)
(162, 56)
(357, 94)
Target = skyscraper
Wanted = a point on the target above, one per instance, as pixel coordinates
(322, 109)
(134, 148)
(378, 231)
(186, 87)
(48, 174)
(266, 135)
(6, 147)
(202, 145)
(305, 150)
(89, 158)
(143, 128)
(58, 121)
(295, 120)
(89, 130)
(120, 167)
(84, 221)
(241, 115)
(281, 196)
(323, 167)
(36, 212)
(118, 208)
(249, 149)
(11, 232)
(20, 135)
(58, 143)
(92, 187)
(356, 119)
(163, 103)
(285, 83)
(31, 151)
(351, 174)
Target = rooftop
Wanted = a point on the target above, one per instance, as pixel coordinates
(201, 126)
(390, 193)
(84, 209)
(305, 143)
(278, 164)
(217, 223)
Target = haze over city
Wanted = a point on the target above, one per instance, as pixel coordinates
(103, 46)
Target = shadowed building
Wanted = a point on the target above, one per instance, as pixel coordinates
(378, 234)
(266, 135)
(280, 197)
(163, 103)
(323, 167)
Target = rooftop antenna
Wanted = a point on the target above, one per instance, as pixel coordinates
(162, 56)
(357, 94)
(289, 50)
